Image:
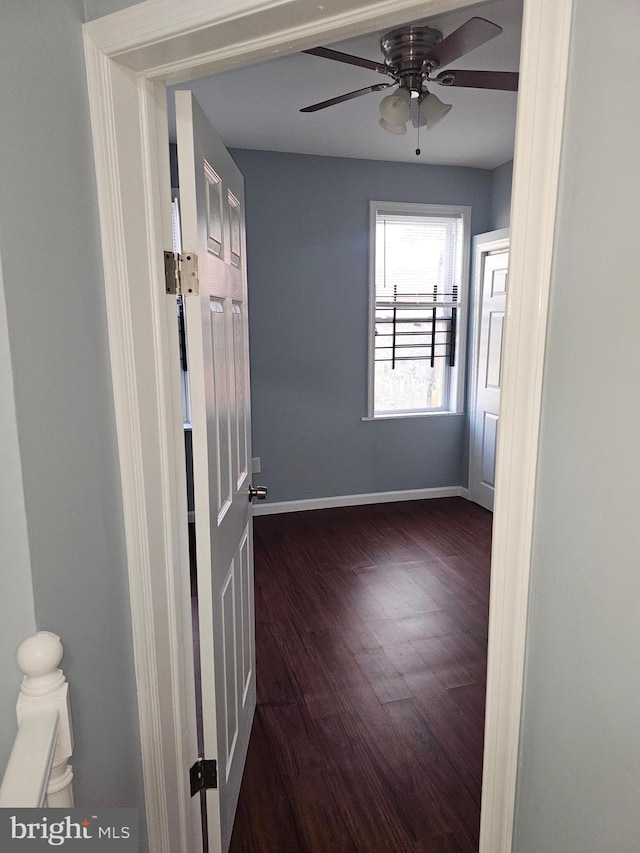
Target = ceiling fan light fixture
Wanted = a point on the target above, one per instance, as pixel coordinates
(394, 108)
(399, 129)
(433, 110)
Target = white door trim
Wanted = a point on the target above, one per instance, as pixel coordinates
(541, 104)
(169, 42)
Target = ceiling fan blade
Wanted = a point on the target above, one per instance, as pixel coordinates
(327, 53)
(475, 32)
(377, 87)
(505, 80)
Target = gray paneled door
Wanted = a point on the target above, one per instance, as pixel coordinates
(493, 275)
(212, 215)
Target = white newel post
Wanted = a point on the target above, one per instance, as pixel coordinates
(45, 686)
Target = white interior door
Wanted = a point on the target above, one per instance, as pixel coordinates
(492, 271)
(212, 213)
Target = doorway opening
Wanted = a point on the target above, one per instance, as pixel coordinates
(127, 67)
(479, 741)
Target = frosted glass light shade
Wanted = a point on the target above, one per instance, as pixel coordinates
(433, 110)
(394, 108)
(393, 128)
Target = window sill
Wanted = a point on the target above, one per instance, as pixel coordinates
(404, 416)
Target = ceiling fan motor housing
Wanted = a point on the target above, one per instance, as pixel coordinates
(406, 49)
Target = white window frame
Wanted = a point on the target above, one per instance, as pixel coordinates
(455, 392)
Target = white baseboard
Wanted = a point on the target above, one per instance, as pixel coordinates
(360, 500)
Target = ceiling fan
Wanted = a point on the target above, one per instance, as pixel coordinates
(412, 56)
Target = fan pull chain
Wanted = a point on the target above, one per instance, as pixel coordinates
(418, 148)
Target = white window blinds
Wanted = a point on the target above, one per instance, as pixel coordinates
(417, 258)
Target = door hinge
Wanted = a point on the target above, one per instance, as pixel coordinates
(203, 775)
(181, 273)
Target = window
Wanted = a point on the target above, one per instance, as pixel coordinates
(418, 308)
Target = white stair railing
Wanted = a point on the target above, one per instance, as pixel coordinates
(38, 772)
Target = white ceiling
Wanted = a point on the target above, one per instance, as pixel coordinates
(258, 106)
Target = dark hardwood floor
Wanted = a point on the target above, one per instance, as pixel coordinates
(371, 629)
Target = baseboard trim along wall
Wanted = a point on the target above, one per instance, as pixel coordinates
(360, 500)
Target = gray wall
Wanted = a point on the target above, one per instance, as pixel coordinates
(67, 460)
(579, 779)
(100, 8)
(17, 616)
(308, 260)
(501, 179)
